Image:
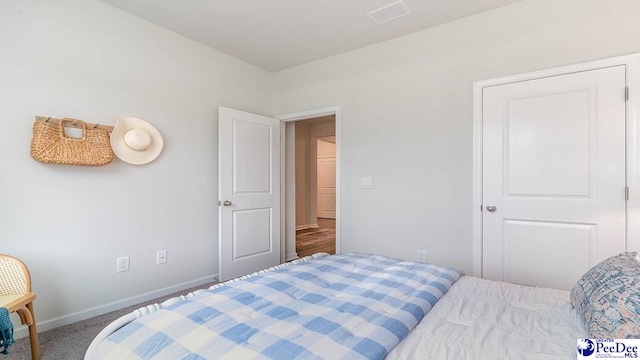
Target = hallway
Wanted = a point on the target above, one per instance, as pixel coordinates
(322, 239)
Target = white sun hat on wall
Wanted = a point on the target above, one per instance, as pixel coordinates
(135, 141)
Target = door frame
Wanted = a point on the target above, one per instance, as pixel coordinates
(632, 231)
(288, 210)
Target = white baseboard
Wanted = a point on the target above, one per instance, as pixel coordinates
(45, 325)
(307, 226)
(291, 256)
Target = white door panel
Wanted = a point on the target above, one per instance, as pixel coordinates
(531, 256)
(251, 234)
(548, 144)
(554, 167)
(249, 161)
(326, 175)
(252, 157)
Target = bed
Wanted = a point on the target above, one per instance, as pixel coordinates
(354, 306)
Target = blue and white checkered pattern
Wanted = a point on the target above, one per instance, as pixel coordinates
(346, 306)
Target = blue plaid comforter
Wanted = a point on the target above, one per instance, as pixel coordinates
(346, 306)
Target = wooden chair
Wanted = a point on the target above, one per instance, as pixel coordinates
(16, 296)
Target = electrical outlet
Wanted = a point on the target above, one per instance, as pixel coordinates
(161, 257)
(122, 264)
(421, 256)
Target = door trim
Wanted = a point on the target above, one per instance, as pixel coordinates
(304, 115)
(632, 241)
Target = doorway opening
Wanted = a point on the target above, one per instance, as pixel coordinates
(315, 184)
(315, 164)
(323, 125)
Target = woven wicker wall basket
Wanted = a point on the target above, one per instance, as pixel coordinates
(51, 145)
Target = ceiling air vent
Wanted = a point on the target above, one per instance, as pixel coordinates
(389, 12)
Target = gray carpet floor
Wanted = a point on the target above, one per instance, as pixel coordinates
(71, 341)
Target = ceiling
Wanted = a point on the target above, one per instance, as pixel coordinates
(278, 34)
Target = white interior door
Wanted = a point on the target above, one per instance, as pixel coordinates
(326, 175)
(554, 175)
(249, 192)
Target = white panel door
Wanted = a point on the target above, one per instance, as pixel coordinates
(326, 175)
(249, 192)
(554, 171)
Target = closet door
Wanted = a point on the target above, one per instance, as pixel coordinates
(553, 176)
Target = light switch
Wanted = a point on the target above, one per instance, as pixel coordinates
(366, 183)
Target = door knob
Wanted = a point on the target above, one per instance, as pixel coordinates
(226, 203)
(491, 208)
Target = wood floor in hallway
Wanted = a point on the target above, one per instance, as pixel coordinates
(322, 239)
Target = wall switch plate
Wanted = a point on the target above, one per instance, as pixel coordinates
(161, 257)
(122, 264)
(421, 256)
(366, 183)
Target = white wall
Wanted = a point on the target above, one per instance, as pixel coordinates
(303, 176)
(406, 110)
(86, 60)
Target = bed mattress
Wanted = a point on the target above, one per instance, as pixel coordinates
(346, 306)
(482, 319)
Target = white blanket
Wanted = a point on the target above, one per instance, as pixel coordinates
(482, 319)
